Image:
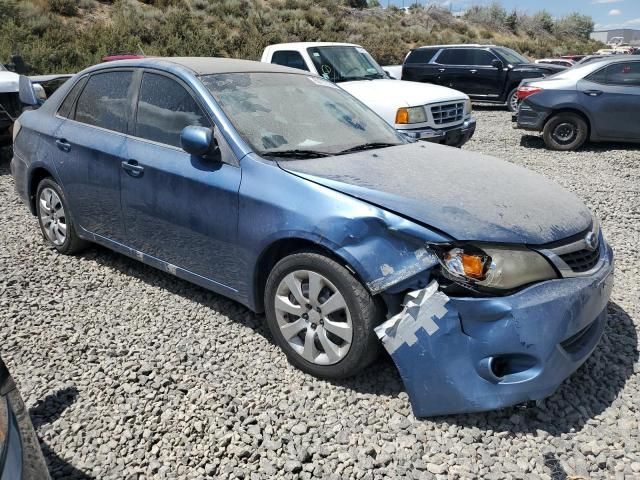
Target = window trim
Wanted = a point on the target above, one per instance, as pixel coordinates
(434, 60)
(72, 116)
(136, 97)
(605, 67)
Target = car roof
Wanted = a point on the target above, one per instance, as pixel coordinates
(614, 58)
(457, 45)
(311, 44)
(199, 65)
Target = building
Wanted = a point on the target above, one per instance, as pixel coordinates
(621, 35)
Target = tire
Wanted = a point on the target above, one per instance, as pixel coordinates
(565, 132)
(55, 220)
(361, 314)
(512, 101)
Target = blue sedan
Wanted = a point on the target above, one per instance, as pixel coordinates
(486, 283)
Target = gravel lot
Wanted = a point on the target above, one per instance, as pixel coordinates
(130, 372)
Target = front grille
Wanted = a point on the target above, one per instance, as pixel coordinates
(581, 260)
(447, 113)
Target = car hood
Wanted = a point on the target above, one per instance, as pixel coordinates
(465, 195)
(400, 93)
(539, 67)
(8, 82)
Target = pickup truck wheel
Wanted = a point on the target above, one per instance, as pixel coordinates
(565, 132)
(55, 222)
(321, 316)
(512, 100)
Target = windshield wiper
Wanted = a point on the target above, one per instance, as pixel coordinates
(368, 146)
(296, 154)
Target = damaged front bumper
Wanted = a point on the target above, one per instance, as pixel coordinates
(453, 136)
(462, 355)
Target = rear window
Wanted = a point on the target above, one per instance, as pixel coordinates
(104, 101)
(289, 58)
(624, 74)
(421, 55)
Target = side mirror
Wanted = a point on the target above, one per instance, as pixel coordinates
(27, 92)
(197, 140)
(497, 64)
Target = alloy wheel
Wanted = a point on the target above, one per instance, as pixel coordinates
(52, 216)
(313, 317)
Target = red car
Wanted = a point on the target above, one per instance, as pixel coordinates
(112, 57)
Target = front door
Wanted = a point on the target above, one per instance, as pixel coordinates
(179, 208)
(90, 146)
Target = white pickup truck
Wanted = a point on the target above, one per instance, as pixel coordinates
(10, 106)
(418, 110)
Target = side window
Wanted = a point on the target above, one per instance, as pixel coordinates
(104, 101)
(599, 76)
(481, 58)
(164, 108)
(421, 55)
(626, 74)
(453, 56)
(289, 58)
(67, 104)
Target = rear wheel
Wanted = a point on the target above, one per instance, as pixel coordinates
(55, 222)
(321, 316)
(565, 131)
(512, 100)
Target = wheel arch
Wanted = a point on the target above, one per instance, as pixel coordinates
(573, 110)
(35, 177)
(283, 247)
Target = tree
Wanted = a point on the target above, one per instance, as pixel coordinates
(512, 21)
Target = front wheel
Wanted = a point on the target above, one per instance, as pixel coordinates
(321, 316)
(565, 132)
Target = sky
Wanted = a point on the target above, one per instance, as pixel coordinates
(606, 14)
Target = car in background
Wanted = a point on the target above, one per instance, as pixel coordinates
(487, 73)
(575, 58)
(277, 188)
(20, 454)
(423, 112)
(599, 101)
(592, 58)
(112, 57)
(563, 62)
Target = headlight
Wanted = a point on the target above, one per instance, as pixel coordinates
(495, 267)
(406, 115)
(468, 107)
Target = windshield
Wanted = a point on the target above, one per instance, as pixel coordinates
(511, 56)
(297, 114)
(345, 63)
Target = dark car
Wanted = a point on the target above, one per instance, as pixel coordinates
(277, 188)
(487, 73)
(20, 454)
(599, 101)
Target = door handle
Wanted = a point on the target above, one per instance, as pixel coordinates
(441, 70)
(133, 168)
(593, 93)
(474, 71)
(63, 145)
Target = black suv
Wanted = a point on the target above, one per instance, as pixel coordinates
(486, 73)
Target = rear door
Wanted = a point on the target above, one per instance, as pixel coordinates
(612, 96)
(179, 208)
(470, 70)
(418, 67)
(90, 146)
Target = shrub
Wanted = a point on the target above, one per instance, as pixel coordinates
(68, 8)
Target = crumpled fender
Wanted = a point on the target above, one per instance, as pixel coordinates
(462, 355)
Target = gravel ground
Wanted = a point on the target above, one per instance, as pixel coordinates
(130, 372)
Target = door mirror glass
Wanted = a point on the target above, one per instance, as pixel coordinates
(197, 140)
(27, 92)
(498, 64)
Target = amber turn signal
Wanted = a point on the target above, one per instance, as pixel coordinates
(402, 116)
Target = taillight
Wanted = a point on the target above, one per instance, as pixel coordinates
(525, 91)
